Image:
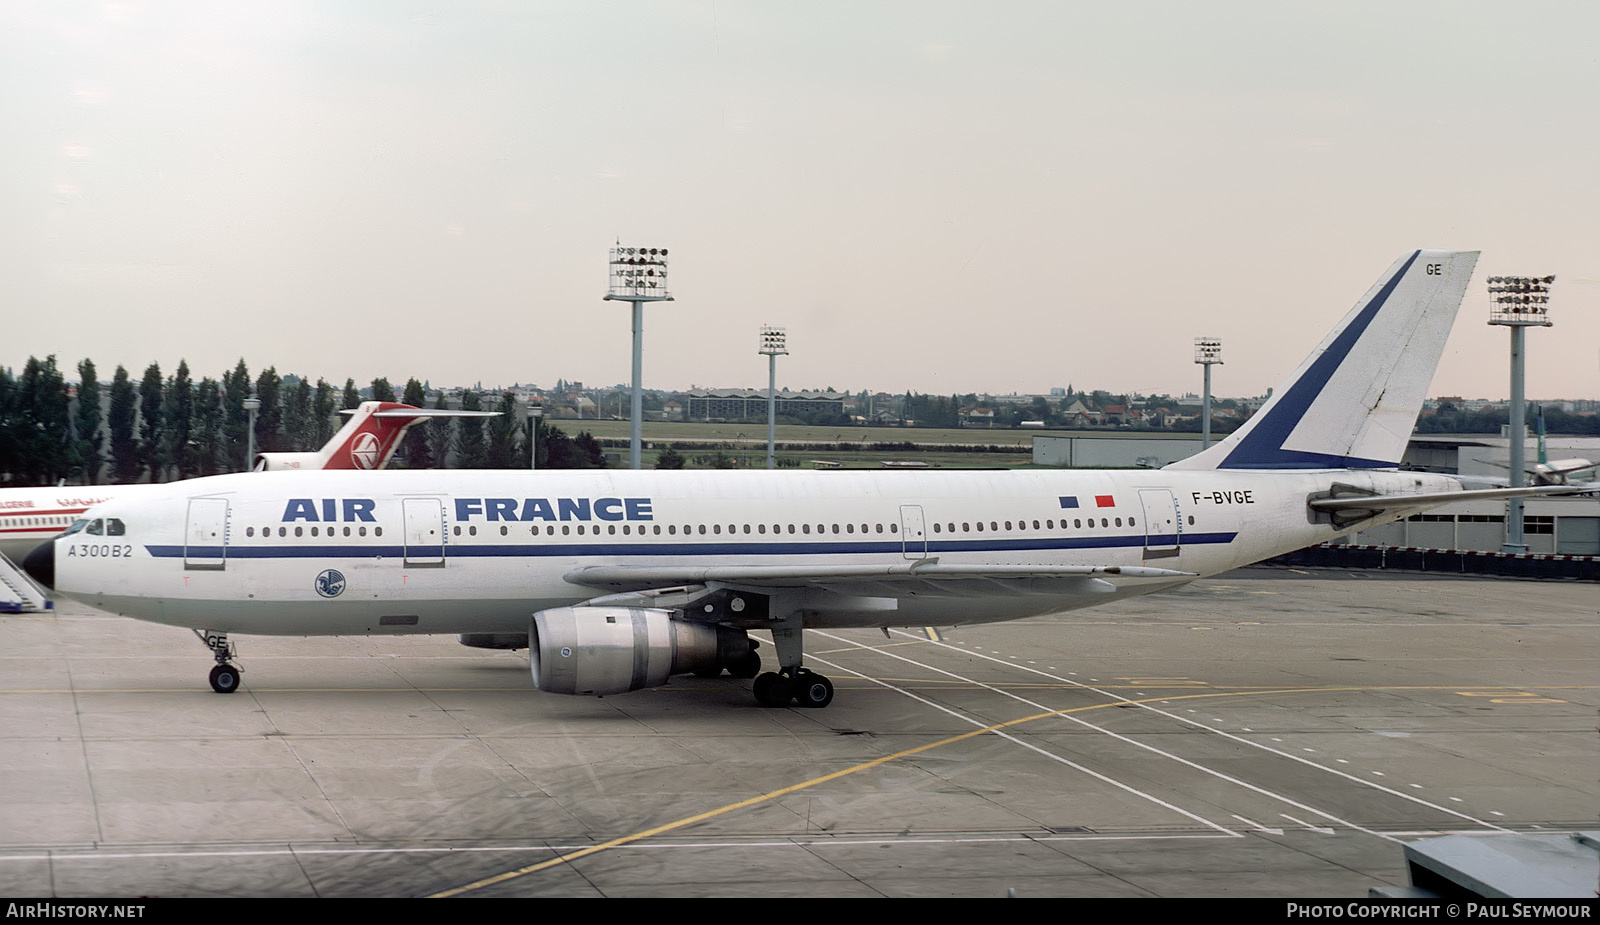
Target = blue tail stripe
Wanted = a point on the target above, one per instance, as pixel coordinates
(1262, 447)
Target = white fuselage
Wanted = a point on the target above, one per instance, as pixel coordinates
(330, 553)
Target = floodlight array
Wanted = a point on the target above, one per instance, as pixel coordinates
(1519, 299)
(1207, 350)
(638, 271)
(773, 341)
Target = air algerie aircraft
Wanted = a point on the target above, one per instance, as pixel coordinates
(616, 580)
(29, 516)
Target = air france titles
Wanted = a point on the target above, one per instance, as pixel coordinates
(324, 510)
(579, 509)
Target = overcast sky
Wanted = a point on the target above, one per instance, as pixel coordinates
(929, 196)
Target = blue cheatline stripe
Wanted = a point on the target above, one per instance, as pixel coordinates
(688, 550)
(1262, 447)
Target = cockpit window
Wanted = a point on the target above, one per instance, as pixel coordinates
(114, 527)
(77, 526)
(97, 527)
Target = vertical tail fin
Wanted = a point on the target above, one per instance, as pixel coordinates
(1354, 402)
(370, 437)
(366, 441)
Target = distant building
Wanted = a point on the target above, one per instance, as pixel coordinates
(745, 404)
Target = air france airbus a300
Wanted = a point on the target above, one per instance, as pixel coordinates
(616, 580)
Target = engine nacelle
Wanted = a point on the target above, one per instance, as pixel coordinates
(494, 640)
(609, 650)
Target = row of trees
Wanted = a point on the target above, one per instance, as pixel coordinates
(166, 427)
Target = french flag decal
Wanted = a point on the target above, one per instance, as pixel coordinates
(1105, 501)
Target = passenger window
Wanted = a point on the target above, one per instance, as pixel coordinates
(299, 531)
(249, 531)
(503, 529)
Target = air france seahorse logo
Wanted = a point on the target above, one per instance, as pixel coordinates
(330, 583)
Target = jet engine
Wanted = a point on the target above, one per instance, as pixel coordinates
(610, 650)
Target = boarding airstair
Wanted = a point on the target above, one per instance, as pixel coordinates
(18, 593)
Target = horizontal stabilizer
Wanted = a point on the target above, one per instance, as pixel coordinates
(426, 413)
(1376, 504)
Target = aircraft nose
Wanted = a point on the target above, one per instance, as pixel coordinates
(41, 565)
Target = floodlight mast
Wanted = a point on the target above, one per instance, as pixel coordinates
(1207, 353)
(773, 344)
(638, 275)
(251, 406)
(1518, 303)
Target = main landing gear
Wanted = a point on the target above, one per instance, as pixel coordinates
(791, 682)
(801, 685)
(225, 677)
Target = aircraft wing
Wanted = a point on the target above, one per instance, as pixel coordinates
(926, 576)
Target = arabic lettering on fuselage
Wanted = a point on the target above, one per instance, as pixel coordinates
(324, 510)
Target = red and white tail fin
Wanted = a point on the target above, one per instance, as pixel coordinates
(366, 441)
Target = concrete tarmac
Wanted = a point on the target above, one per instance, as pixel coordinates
(1270, 732)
